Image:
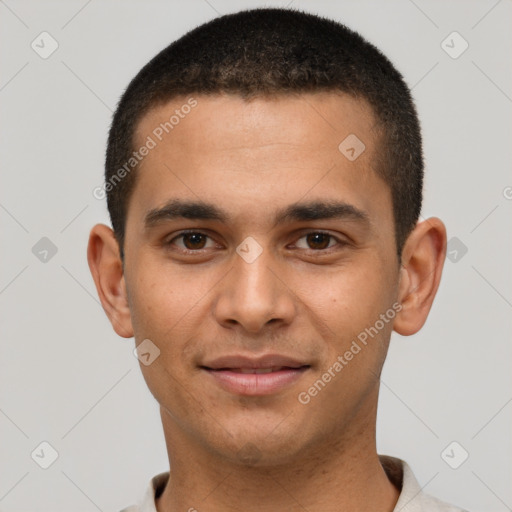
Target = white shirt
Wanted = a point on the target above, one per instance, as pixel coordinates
(411, 499)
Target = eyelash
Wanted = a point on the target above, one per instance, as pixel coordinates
(340, 243)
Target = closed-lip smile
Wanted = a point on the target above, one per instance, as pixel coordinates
(255, 376)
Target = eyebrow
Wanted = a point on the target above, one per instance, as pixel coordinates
(305, 211)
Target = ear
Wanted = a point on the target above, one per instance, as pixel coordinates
(107, 271)
(423, 258)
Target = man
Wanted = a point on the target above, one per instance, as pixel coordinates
(264, 181)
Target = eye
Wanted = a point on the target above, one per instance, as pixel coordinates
(191, 241)
(318, 241)
(196, 241)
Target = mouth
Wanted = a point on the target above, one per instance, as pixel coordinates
(258, 370)
(255, 376)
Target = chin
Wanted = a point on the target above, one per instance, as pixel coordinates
(253, 447)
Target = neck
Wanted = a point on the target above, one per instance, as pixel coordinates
(341, 475)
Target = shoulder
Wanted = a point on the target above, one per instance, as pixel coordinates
(412, 497)
(153, 490)
(432, 504)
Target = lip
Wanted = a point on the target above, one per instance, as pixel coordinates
(241, 361)
(231, 373)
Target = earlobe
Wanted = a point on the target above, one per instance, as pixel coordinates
(107, 271)
(422, 264)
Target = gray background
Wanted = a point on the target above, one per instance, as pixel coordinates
(66, 378)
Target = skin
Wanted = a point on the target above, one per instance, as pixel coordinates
(252, 158)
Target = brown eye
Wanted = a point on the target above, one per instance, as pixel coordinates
(318, 241)
(194, 240)
(191, 241)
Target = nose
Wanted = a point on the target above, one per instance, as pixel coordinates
(253, 296)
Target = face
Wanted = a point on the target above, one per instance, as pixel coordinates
(258, 254)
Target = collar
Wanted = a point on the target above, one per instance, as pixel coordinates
(411, 499)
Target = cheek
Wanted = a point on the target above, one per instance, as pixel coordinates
(350, 301)
(157, 303)
(347, 311)
(162, 309)
(169, 307)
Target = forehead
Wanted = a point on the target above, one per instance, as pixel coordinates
(223, 148)
(312, 120)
